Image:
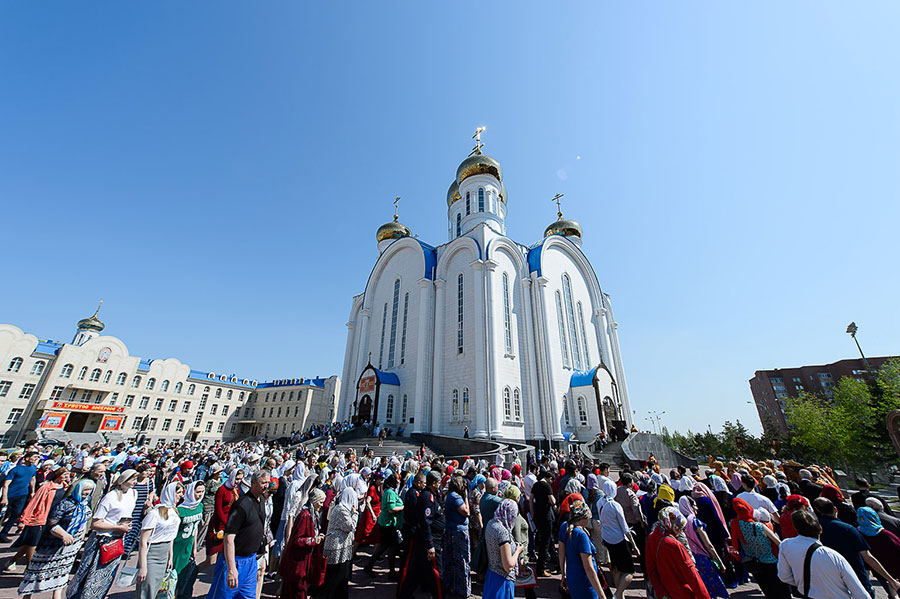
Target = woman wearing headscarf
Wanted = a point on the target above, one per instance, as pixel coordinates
(227, 494)
(277, 524)
(845, 511)
(111, 521)
(707, 559)
(580, 575)
(769, 487)
(722, 493)
(710, 514)
(476, 490)
(143, 487)
(55, 553)
(367, 532)
(617, 537)
(299, 570)
(670, 567)
(794, 503)
(758, 543)
(885, 545)
(158, 531)
(502, 552)
(185, 556)
(390, 521)
(338, 547)
(665, 497)
(455, 549)
(34, 516)
(214, 480)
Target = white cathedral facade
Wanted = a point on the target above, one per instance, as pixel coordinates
(510, 341)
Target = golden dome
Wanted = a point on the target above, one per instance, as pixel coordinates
(391, 230)
(478, 164)
(92, 323)
(453, 193)
(564, 227)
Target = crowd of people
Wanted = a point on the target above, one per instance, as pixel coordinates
(298, 516)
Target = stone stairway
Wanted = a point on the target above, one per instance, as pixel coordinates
(400, 445)
(612, 454)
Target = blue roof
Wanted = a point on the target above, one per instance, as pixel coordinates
(387, 378)
(583, 378)
(145, 364)
(317, 382)
(430, 259)
(47, 346)
(534, 257)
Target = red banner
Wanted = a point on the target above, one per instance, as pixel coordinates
(367, 384)
(53, 420)
(87, 407)
(111, 423)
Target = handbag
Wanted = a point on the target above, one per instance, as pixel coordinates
(525, 578)
(111, 550)
(167, 588)
(732, 554)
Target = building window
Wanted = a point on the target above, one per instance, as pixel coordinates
(203, 399)
(158, 404)
(561, 323)
(584, 337)
(465, 403)
(55, 395)
(112, 398)
(151, 382)
(229, 395)
(152, 425)
(454, 406)
(296, 411)
(403, 334)
(107, 376)
(221, 427)
(136, 425)
(173, 404)
(179, 426)
(129, 400)
(383, 329)
(178, 387)
(120, 380)
(241, 396)
(164, 387)
(72, 394)
(38, 367)
(290, 397)
(14, 365)
(27, 390)
(186, 407)
(225, 411)
(208, 426)
(481, 199)
(389, 412)
(566, 411)
(82, 373)
(468, 205)
(517, 406)
(213, 409)
(582, 413)
(5, 385)
(191, 388)
(395, 313)
(570, 317)
(136, 382)
(218, 393)
(507, 404)
(166, 424)
(459, 314)
(198, 419)
(85, 396)
(402, 409)
(66, 371)
(458, 224)
(506, 314)
(144, 401)
(95, 375)
(233, 427)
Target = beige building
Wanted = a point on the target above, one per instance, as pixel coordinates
(94, 385)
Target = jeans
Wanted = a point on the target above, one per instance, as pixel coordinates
(14, 508)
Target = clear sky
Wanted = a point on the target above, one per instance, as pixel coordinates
(215, 172)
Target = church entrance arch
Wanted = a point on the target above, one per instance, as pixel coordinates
(364, 412)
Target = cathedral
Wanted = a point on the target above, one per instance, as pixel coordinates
(483, 334)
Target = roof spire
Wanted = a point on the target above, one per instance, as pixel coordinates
(396, 208)
(97, 311)
(477, 137)
(556, 199)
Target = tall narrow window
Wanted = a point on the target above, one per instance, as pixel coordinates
(562, 330)
(164, 387)
(403, 409)
(383, 328)
(507, 405)
(136, 382)
(582, 413)
(566, 411)
(395, 307)
(458, 225)
(465, 403)
(389, 412)
(95, 375)
(454, 406)
(459, 314)
(38, 367)
(517, 406)
(468, 204)
(570, 317)
(81, 373)
(66, 372)
(403, 334)
(107, 376)
(14, 365)
(506, 314)
(584, 337)
(481, 199)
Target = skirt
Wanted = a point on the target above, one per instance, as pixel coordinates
(49, 568)
(157, 560)
(497, 587)
(455, 555)
(710, 576)
(92, 580)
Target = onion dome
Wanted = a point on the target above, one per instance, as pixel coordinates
(453, 193)
(391, 230)
(564, 227)
(92, 323)
(478, 164)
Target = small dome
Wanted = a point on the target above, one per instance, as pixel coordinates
(391, 230)
(453, 193)
(503, 192)
(478, 164)
(91, 323)
(564, 227)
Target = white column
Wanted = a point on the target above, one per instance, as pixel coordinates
(528, 363)
(419, 398)
(492, 384)
(620, 370)
(346, 400)
(362, 345)
(546, 364)
(600, 326)
(479, 399)
(437, 358)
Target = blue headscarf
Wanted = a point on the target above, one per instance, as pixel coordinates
(479, 478)
(869, 522)
(82, 506)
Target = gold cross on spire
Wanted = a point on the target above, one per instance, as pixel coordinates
(98, 308)
(556, 199)
(477, 138)
(396, 208)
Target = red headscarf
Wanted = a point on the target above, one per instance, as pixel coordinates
(744, 514)
(833, 493)
(794, 502)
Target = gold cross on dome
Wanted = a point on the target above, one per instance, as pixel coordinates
(556, 199)
(396, 208)
(477, 138)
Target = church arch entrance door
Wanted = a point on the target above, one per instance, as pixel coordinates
(364, 413)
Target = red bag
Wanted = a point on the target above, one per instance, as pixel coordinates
(111, 551)
(733, 554)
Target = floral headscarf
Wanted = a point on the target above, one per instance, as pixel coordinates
(672, 521)
(82, 505)
(506, 514)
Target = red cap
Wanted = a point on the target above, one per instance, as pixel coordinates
(185, 465)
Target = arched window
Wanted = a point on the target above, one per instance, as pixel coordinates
(120, 380)
(151, 382)
(95, 375)
(507, 405)
(66, 371)
(218, 393)
(164, 387)
(383, 330)
(230, 394)
(481, 199)
(82, 373)
(459, 314)
(136, 382)
(191, 388)
(561, 323)
(582, 413)
(506, 314)
(38, 367)
(403, 334)
(466, 403)
(206, 389)
(454, 406)
(389, 412)
(570, 317)
(468, 204)
(566, 411)
(517, 406)
(395, 313)
(107, 376)
(14, 365)
(241, 396)
(403, 409)
(178, 387)
(458, 224)
(584, 337)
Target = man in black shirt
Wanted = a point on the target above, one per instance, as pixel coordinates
(235, 576)
(410, 500)
(542, 502)
(423, 563)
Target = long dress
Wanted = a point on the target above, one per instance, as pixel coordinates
(368, 533)
(297, 562)
(183, 549)
(225, 497)
(52, 561)
(143, 490)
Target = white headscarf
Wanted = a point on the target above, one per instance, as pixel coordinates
(168, 496)
(349, 498)
(190, 501)
(356, 481)
(232, 478)
(686, 484)
(285, 467)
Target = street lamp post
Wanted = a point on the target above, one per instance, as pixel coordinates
(655, 418)
(851, 330)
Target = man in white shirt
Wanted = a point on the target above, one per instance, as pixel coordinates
(830, 575)
(529, 480)
(756, 500)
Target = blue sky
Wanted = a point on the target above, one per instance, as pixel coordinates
(215, 172)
